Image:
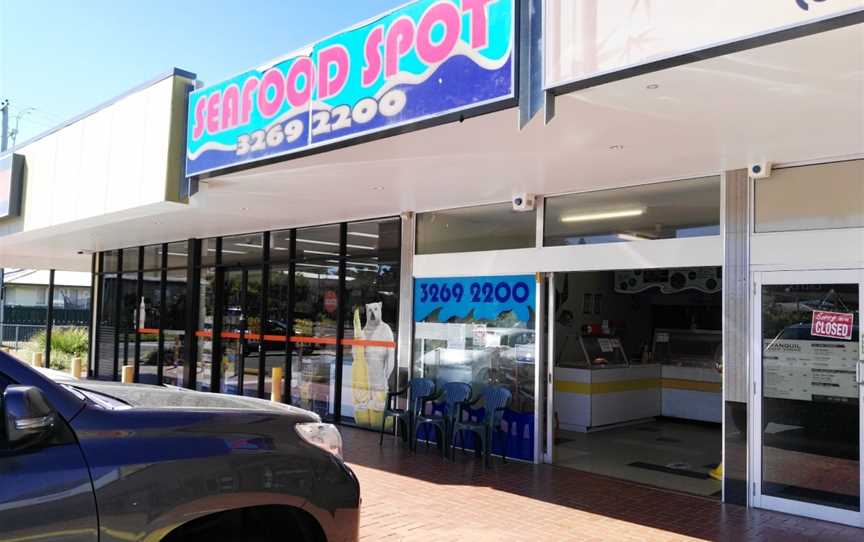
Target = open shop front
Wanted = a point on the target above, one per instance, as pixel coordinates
(637, 387)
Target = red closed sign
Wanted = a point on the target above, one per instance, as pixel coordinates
(834, 325)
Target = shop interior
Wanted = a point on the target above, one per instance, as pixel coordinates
(638, 384)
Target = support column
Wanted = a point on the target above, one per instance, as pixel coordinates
(49, 319)
(736, 334)
(406, 298)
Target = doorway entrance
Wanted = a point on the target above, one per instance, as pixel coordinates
(635, 358)
(808, 371)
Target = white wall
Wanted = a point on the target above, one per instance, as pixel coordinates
(585, 38)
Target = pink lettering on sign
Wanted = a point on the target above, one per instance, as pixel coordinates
(302, 67)
(400, 38)
(372, 69)
(447, 16)
(832, 325)
(330, 82)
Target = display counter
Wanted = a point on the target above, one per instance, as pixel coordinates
(692, 385)
(692, 393)
(590, 398)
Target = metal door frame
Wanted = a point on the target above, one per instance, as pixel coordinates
(808, 276)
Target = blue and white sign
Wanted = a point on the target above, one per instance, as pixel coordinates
(421, 61)
(474, 298)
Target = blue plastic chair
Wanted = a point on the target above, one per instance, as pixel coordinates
(419, 390)
(495, 402)
(454, 395)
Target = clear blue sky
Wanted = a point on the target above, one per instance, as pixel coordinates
(63, 57)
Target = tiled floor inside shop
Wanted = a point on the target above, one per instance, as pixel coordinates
(668, 454)
(419, 496)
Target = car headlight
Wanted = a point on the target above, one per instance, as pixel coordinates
(322, 435)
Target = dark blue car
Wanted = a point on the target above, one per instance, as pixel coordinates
(89, 460)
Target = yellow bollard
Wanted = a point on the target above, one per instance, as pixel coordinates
(128, 374)
(38, 359)
(276, 385)
(76, 367)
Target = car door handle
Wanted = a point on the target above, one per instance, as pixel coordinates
(859, 372)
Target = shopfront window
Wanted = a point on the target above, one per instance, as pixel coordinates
(316, 307)
(481, 331)
(371, 316)
(678, 209)
(488, 227)
(204, 335)
(242, 249)
(149, 322)
(107, 327)
(174, 328)
(789, 199)
(254, 310)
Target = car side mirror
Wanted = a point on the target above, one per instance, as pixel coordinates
(29, 417)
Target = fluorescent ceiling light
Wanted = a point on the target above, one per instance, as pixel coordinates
(177, 254)
(314, 242)
(332, 244)
(320, 252)
(361, 234)
(226, 251)
(606, 215)
(279, 248)
(631, 237)
(247, 245)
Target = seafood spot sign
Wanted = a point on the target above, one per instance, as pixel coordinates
(422, 61)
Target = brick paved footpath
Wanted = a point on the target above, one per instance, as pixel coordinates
(422, 497)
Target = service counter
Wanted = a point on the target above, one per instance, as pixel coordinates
(590, 398)
(692, 393)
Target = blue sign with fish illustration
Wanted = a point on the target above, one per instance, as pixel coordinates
(474, 298)
(426, 59)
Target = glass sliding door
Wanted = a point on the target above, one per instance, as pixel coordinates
(809, 355)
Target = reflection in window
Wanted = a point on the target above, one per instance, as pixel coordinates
(371, 315)
(240, 249)
(206, 312)
(488, 227)
(107, 327)
(150, 312)
(677, 209)
(810, 410)
(318, 242)
(316, 286)
(174, 328)
(480, 331)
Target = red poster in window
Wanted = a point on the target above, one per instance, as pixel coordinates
(833, 325)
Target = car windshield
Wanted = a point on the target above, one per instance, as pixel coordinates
(101, 399)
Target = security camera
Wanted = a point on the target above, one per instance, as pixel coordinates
(760, 170)
(523, 202)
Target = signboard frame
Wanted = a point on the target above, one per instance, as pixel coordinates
(11, 166)
(310, 57)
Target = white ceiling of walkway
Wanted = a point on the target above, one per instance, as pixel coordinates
(796, 101)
